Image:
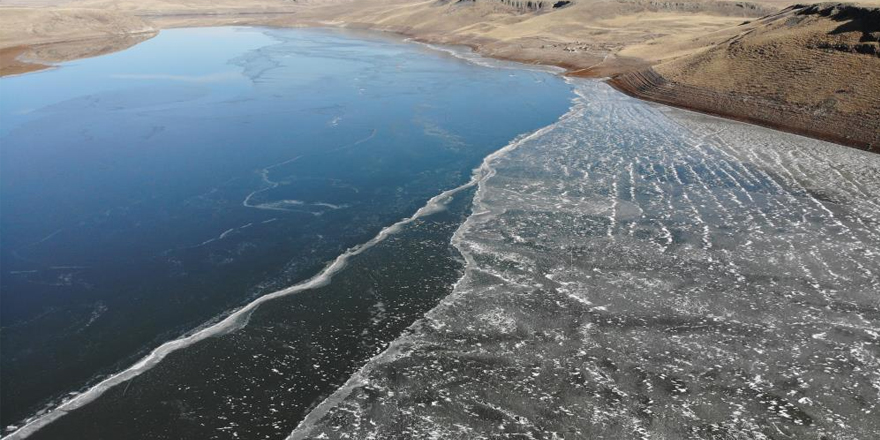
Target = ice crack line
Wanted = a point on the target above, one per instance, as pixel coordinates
(239, 318)
(288, 205)
(479, 177)
(231, 323)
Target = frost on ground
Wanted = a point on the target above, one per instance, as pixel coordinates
(638, 272)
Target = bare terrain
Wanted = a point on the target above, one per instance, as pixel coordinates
(807, 69)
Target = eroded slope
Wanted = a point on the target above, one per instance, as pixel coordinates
(809, 69)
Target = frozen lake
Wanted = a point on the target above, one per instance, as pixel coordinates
(625, 270)
(151, 191)
(643, 272)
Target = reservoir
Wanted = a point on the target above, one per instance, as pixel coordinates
(147, 192)
(253, 233)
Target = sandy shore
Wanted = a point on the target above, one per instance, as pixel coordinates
(11, 62)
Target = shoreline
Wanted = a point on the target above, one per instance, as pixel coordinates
(619, 72)
(12, 65)
(25, 58)
(652, 90)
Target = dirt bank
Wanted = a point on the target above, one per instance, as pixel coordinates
(828, 125)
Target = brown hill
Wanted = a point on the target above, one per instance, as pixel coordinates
(811, 69)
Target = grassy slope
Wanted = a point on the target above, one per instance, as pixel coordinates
(811, 70)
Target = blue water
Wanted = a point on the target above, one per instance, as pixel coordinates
(147, 191)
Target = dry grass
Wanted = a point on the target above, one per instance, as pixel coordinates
(786, 57)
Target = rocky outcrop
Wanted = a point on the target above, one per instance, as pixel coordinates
(818, 122)
(742, 9)
(853, 18)
(808, 69)
(867, 16)
(528, 5)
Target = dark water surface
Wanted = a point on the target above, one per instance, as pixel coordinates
(148, 191)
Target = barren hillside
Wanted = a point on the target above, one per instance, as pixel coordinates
(47, 25)
(809, 69)
(576, 34)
